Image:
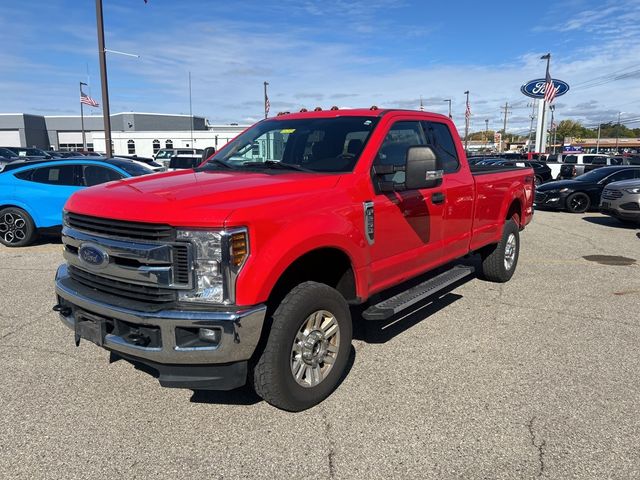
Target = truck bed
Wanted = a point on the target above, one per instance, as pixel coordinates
(484, 169)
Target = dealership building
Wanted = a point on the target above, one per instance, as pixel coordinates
(132, 133)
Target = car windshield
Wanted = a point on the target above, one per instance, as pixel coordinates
(595, 175)
(5, 152)
(132, 168)
(309, 144)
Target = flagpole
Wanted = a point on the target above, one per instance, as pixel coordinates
(266, 98)
(466, 123)
(84, 138)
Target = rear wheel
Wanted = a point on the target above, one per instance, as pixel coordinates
(307, 349)
(500, 261)
(578, 202)
(16, 227)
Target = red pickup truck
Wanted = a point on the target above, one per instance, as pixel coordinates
(244, 268)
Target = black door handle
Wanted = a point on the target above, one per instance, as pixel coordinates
(437, 197)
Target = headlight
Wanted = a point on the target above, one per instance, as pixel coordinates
(632, 190)
(218, 256)
(563, 190)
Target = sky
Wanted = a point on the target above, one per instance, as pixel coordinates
(354, 53)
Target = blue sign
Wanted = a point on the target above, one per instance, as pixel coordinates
(536, 88)
(93, 255)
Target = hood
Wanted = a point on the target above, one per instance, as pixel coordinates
(189, 198)
(624, 184)
(558, 184)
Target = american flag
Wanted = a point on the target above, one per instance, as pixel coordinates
(549, 87)
(467, 113)
(267, 105)
(87, 100)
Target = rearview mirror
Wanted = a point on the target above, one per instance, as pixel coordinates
(423, 169)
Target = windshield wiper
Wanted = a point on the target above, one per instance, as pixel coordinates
(216, 161)
(276, 164)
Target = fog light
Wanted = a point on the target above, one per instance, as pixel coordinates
(210, 335)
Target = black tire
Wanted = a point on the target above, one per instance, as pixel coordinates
(16, 227)
(273, 377)
(495, 267)
(578, 202)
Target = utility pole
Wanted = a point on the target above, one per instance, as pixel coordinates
(467, 115)
(486, 131)
(504, 125)
(618, 132)
(449, 101)
(598, 140)
(102, 54)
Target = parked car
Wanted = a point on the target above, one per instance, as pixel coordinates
(622, 200)
(29, 152)
(32, 193)
(155, 166)
(164, 154)
(540, 169)
(583, 192)
(577, 164)
(182, 161)
(347, 204)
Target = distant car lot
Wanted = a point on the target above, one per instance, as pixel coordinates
(539, 377)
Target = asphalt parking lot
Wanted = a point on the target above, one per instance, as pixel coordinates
(537, 378)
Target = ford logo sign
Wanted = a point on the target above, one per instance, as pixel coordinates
(536, 88)
(93, 256)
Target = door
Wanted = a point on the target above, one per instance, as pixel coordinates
(47, 189)
(457, 189)
(407, 224)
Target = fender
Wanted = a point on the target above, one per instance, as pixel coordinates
(261, 272)
(515, 193)
(14, 203)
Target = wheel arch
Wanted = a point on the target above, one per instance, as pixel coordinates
(22, 206)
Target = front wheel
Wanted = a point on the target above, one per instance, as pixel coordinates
(16, 227)
(307, 350)
(578, 202)
(500, 261)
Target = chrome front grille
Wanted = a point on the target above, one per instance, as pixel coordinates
(609, 194)
(136, 267)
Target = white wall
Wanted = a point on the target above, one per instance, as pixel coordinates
(10, 138)
(217, 137)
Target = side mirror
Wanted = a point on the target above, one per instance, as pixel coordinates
(423, 169)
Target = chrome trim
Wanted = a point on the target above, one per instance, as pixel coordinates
(241, 328)
(156, 259)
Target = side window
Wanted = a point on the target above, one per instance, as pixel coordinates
(131, 147)
(95, 175)
(599, 160)
(570, 159)
(587, 159)
(58, 175)
(439, 138)
(393, 151)
(626, 174)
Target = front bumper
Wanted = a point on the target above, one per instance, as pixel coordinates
(621, 208)
(240, 330)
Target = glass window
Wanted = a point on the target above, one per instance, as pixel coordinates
(131, 147)
(58, 175)
(168, 144)
(626, 174)
(570, 159)
(156, 146)
(440, 140)
(587, 159)
(393, 151)
(95, 175)
(313, 144)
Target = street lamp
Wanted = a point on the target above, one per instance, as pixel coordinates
(449, 101)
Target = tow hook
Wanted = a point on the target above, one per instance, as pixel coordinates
(62, 310)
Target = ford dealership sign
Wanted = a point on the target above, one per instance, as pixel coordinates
(536, 88)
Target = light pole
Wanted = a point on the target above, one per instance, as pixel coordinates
(103, 80)
(449, 101)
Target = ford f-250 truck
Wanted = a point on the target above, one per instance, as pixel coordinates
(244, 268)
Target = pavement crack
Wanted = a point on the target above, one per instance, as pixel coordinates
(538, 446)
(331, 453)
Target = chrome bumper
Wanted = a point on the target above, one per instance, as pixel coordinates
(241, 328)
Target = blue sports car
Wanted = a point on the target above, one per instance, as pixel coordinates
(32, 194)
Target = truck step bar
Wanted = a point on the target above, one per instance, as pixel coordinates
(389, 307)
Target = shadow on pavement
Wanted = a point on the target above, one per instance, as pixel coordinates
(611, 222)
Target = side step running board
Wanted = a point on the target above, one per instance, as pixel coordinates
(389, 307)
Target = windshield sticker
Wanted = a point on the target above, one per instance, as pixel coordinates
(287, 130)
(367, 122)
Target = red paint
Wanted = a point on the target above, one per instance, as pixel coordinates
(290, 214)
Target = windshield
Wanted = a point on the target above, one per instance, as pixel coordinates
(595, 175)
(5, 152)
(310, 144)
(132, 168)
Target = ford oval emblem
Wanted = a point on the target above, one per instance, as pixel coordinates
(93, 256)
(536, 88)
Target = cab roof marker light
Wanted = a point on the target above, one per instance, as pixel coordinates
(317, 109)
(302, 110)
(335, 108)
